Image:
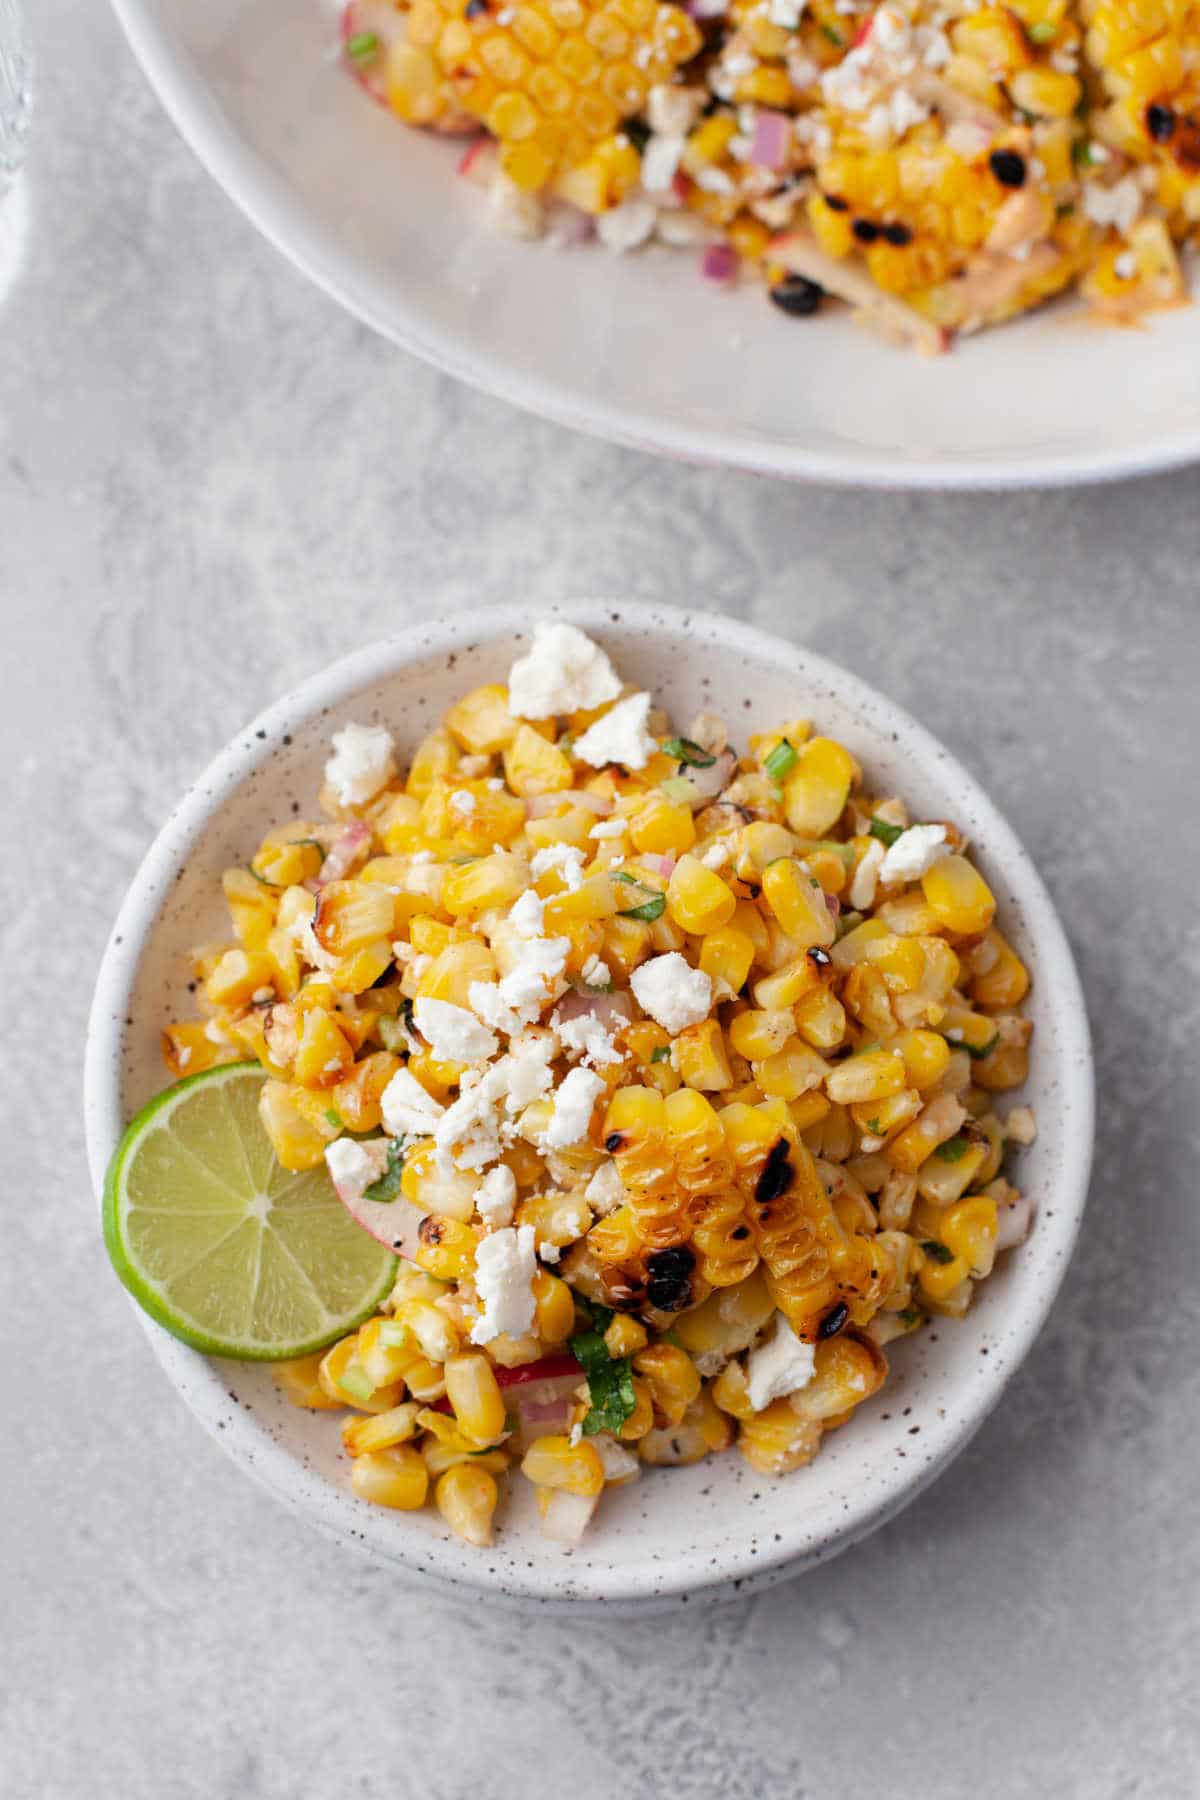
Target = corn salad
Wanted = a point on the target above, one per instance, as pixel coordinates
(671, 1071)
(941, 167)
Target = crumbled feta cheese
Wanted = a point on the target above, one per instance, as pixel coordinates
(407, 1108)
(846, 85)
(787, 13)
(564, 672)
(463, 802)
(660, 160)
(520, 996)
(363, 761)
(620, 736)
(780, 1366)
(496, 1196)
(184, 1056)
(564, 859)
(1118, 205)
(525, 914)
(672, 992)
(914, 853)
(505, 1265)
(619, 1463)
(261, 995)
(866, 877)
(605, 1191)
(624, 226)
(526, 1069)
(716, 856)
(513, 211)
(588, 1038)
(596, 973)
(610, 828)
(933, 46)
(455, 1034)
(1125, 266)
(354, 1166)
(1020, 1125)
(495, 784)
(468, 1132)
(714, 181)
(672, 111)
(574, 1102)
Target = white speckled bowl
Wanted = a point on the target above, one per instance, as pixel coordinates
(675, 1534)
(636, 348)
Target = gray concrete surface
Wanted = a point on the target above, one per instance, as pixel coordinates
(211, 482)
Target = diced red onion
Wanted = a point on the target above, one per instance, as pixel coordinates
(545, 1412)
(772, 139)
(834, 904)
(662, 865)
(719, 263)
(1013, 1224)
(611, 1009)
(475, 163)
(345, 851)
(567, 1516)
(707, 9)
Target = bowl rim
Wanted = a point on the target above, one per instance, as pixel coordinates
(199, 1378)
(262, 194)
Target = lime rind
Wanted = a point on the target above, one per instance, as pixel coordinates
(217, 1218)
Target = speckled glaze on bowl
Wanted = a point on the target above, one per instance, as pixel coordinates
(675, 1535)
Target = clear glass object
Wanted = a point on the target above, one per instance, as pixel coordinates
(16, 88)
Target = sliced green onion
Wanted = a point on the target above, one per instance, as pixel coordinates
(335, 1118)
(363, 47)
(647, 910)
(781, 761)
(977, 1055)
(662, 1054)
(954, 1149)
(261, 879)
(358, 1383)
(393, 1334)
(932, 1248)
(693, 755)
(887, 834)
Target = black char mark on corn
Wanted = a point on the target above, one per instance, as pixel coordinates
(777, 1174)
(668, 1284)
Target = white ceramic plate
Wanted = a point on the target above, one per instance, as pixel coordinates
(678, 1532)
(639, 349)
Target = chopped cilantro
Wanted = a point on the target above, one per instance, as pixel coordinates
(677, 788)
(954, 1149)
(602, 1316)
(566, 742)
(649, 909)
(1044, 32)
(833, 34)
(875, 1127)
(979, 1051)
(662, 1054)
(887, 834)
(937, 1251)
(363, 47)
(782, 760)
(691, 755)
(910, 1316)
(335, 1118)
(611, 1398)
(388, 1185)
(261, 879)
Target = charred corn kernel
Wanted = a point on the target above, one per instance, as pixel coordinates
(672, 1378)
(709, 142)
(884, 1118)
(821, 1019)
(1006, 1067)
(1047, 93)
(466, 1496)
(398, 823)
(846, 1372)
(976, 1032)
(555, 1462)
(726, 955)
(908, 915)
(790, 1072)
(343, 1379)
(430, 1328)
(650, 1047)
(701, 1059)
(396, 1477)
(1005, 982)
(873, 1075)
(697, 899)
(969, 1228)
(774, 993)
(641, 1419)
(453, 970)
(252, 907)
(995, 38)
(534, 766)
(298, 1143)
(299, 1380)
(937, 1124)
(662, 827)
(900, 960)
(624, 944)
(446, 1248)
(938, 1279)
(625, 1335)
(958, 894)
(596, 899)
(798, 902)
(434, 759)
(730, 1390)
(474, 1393)
(481, 720)
(238, 976)
(492, 882)
(381, 1430)
(829, 869)
(926, 1057)
(816, 791)
(852, 949)
(352, 914)
(187, 1048)
(950, 1171)
(759, 1034)
(323, 1056)
(777, 1440)
(554, 1308)
(760, 844)
(808, 1109)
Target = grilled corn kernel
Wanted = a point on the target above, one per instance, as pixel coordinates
(798, 902)
(726, 956)
(871, 1076)
(816, 791)
(466, 1496)
(396, 1477)
(446, 1249)
(624, 1335)
(700, 1057)
(474, 1393)
(555, 1462)
(662, 827)
(380, 1431)
(958, 894)
(299, 1380)
(697, 899)
(672, 1378)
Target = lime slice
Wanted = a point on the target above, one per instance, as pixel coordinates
(222, 1245)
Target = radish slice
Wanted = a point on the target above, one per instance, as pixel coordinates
(612, 1010)
(772, 140)
(719, 263)
(393, 1223)
(345, 851)
(566, 1516)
